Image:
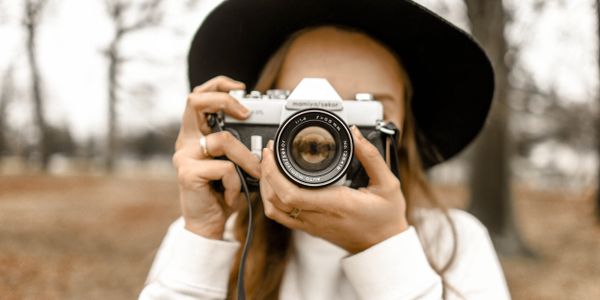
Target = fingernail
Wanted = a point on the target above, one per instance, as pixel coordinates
(270, 145)
(244, 111)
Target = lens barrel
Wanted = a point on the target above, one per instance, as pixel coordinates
(313, 148)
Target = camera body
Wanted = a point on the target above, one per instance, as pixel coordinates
(312, 141)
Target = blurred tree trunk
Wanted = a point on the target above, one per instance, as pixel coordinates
(149, 14)
(113, 66)
(33, 12)
(6, 95)
(598, 119)
(490, 184)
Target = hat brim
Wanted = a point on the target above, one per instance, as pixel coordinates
(453, 80)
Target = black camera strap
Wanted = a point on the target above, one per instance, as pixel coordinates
(215, 123)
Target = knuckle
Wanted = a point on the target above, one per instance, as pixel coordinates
(198, 101)
(175, 159)
(221, 78)
(287, 198)
(190, 99)
(394, 184)
(230, 102)
(229, 167)
(269, 211)
(202, 87)
(184, 175)
(179, 159)
(226, 137)
(194, 101)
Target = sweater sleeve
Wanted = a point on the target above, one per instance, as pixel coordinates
(397, 268)
(189, 266)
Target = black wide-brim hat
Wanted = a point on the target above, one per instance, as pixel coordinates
(453, 81)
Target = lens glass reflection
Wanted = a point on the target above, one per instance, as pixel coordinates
(313, 148)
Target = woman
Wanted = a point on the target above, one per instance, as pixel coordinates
(390, 240)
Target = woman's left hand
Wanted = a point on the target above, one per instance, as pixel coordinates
(354, 219)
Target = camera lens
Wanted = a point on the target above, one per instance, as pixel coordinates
(313, 147)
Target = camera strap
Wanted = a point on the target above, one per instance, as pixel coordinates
(215, 123)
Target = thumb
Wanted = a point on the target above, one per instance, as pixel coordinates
(370, 158)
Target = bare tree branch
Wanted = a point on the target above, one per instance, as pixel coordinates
(31, 19)
(145, 15)
(33, 11)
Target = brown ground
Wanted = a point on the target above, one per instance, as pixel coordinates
(95, 237)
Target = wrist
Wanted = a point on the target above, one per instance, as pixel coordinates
(385, 233)
(209, 231)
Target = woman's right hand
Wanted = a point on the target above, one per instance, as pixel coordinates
(205, 210)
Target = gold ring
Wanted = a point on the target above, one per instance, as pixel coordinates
(295, 213)
(204, 147)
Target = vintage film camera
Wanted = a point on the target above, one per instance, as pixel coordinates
(312, 140)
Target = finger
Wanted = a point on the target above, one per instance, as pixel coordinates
(211, 102)
(371, 159)
(192, 125)
(225, 144)
(191, 121)
(189, 148)
(289, 193)
(281, 217)
(219, 144)
(195, 174)
(267, 194)
(308, 217)
(199, 104)
(219, 84)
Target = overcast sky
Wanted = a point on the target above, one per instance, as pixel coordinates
(558, 47)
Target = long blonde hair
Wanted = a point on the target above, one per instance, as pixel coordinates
(272, 244)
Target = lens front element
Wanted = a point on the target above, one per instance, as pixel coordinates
(313, 147)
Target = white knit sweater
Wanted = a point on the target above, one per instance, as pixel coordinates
(188, 266)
